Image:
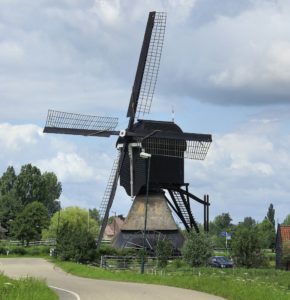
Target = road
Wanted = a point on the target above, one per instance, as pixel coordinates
(71, 287)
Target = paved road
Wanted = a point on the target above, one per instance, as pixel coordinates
(71, 287)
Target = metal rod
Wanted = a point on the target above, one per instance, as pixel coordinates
(148, 161)
(204, 214)
(207, 213)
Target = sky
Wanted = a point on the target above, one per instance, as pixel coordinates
(225, 70)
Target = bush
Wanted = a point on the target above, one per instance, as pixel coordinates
(76, 243)
(247, 247)
(2, 251)
(197, 249)
(164, 250)
(18, 251)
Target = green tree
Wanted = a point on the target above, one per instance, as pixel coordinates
(286, 220)
(197, 249)
(7, 181)
(75, 235)
(10, 206)
(220, 224)
(71, 215)
(95, 214)
(248, 222)
(28, 185)
(76, 243)
(267, 230)
(51, 190)
(271, 214)
(164, 250)
(31, 185)
(30, 222)
(246, 245)
(267, 234)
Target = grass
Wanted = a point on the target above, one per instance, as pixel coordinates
(21, 251)
(25, 289)
(232, 284)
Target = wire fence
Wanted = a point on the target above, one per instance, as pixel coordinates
(132, 263)
(47, 242)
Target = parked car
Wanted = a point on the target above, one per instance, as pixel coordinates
(220, 262)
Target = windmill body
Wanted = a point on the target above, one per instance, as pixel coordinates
(156, 184)
(164, 170)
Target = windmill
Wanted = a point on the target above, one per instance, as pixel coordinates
(150, 158)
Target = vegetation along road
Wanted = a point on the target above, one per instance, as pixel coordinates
(73, 287)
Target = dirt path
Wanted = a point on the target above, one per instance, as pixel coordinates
(71, 287)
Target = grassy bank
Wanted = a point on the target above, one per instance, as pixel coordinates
(24, 289)
(236, 284)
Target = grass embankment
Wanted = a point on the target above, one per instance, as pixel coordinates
(25, 289)
(235, 284)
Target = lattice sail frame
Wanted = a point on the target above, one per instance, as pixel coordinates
(152, 65)
(58, 119)
(179, 148)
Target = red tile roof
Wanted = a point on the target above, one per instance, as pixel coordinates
(285, 232)
(114, 227)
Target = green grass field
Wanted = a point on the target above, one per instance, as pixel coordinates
(24, 289)
(235, 284)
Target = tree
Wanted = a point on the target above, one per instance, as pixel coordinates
(51, 190)
(7, 181)
(246, 245)
(95, 214)
(286, 220)
(28, 185)
(164, 250)
(16, 191)
(221, 223)
(267, 230)
(267, 234)
(10, 206)
(249, 222)
(271, 214)
(30, 222)
(75, 235)
(197, 249)
(71, 215)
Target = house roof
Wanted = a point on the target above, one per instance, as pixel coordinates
(114, 227)
(285, 232)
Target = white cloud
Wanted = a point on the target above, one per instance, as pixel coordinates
(81, 57)
(69, 167)
(244, 172)
(15, 137)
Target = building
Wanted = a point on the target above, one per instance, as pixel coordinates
(282, 240)
(113, 229)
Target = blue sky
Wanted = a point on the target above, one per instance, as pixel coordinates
(225, 69)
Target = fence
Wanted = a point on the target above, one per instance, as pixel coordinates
(48, 242)
(130, 262)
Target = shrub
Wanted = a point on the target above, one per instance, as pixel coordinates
(76, 243)
(164, 250)
(197, 249)
(18, 251)
(2, 250)
(247, 247)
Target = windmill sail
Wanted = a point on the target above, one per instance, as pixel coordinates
(148, 66)
(110, 194)
(78, 124)
(182, 145)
